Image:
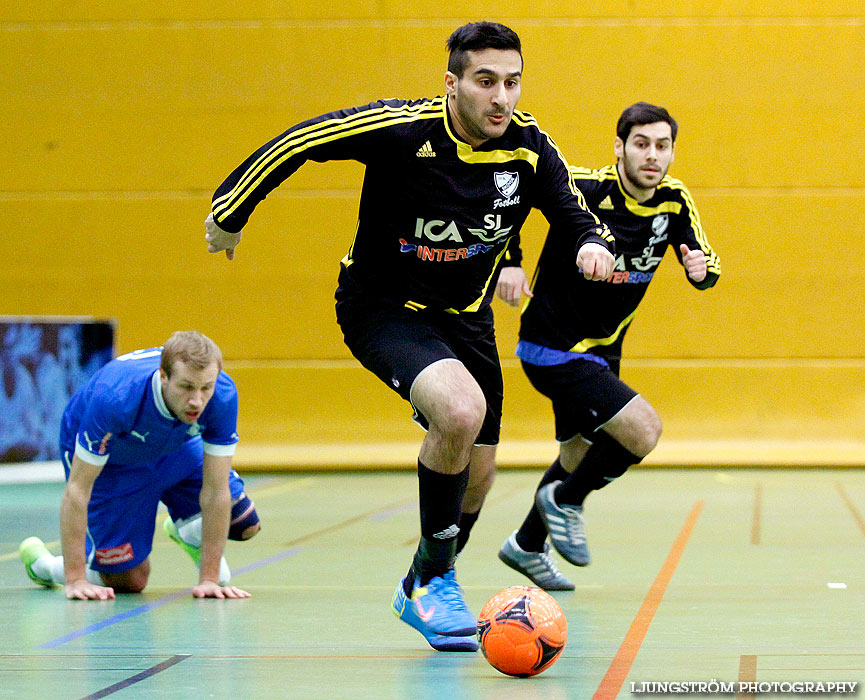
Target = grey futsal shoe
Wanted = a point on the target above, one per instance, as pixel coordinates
(538, 566)
(565, 525)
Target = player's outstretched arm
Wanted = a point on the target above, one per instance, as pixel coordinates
(512, 284)
(215, 501)
(219, 240)
(595, 261)
(73, 529)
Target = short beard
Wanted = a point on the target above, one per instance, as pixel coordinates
(634, 177)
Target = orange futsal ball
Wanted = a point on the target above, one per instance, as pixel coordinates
(522, 631)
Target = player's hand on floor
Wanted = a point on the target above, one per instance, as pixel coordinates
(218, 240)
(512, 283)
(84, 590)
(595, 261)
(694, 262)
(211, 589)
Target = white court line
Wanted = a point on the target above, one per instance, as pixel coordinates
(31, 472)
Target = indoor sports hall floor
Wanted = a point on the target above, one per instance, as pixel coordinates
(726, 576)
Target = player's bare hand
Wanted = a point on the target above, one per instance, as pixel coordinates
(595, 261)
(211, 589)
(84, 590)
(694, 262)
(512, 283)
(219, 240)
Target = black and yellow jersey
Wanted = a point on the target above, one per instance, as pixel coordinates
(435, 214)
(573, 314)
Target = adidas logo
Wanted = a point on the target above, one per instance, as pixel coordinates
(447, 534)
(606, 203)
(426, 151)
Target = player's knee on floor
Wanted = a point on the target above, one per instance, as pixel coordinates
(131, 581)
(244, 519)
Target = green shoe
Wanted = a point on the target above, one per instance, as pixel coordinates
(194, 551)
(171, 530)
(30, 550)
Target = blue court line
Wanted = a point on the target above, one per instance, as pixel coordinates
(138, 677)
(54, 643)
(165, 600)
(270, 560)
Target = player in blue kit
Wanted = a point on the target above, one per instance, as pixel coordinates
(152, 425)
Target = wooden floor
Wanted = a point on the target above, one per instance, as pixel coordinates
(699, 576)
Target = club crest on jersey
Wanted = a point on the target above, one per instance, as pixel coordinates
(660, 224)
(507, 184)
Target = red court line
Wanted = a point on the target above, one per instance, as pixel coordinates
(624, 658)
(851, 506)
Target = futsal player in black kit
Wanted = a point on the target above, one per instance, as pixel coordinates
(571, 335)
(449, 181)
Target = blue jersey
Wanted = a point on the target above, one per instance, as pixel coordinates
(119, 416)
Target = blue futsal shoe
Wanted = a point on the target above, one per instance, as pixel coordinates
(438, 612)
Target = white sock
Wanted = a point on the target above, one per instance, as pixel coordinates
(190, 530)
(45, 567)
(50, 567)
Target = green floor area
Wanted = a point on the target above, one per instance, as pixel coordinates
(697, 576)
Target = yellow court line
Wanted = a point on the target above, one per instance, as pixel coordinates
(14, 555)
(267, 491)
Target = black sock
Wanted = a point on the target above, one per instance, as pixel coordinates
(533, 532)
(467, 522)
(605, 461)
(441, 498)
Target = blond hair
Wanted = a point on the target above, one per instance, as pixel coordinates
(191, 348)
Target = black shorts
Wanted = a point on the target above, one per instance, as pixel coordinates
(396, 344)
(586, 395)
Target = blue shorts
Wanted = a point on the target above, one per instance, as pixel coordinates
(121, 515)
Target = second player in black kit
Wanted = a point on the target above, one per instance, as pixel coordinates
(449, 182)
(572, 330)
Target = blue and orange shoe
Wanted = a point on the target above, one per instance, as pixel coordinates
(438, 612)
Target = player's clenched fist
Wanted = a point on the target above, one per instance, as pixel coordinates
(694, 262)
(595, 261)
(218, 239)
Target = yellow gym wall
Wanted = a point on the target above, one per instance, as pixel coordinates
(120, 119)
